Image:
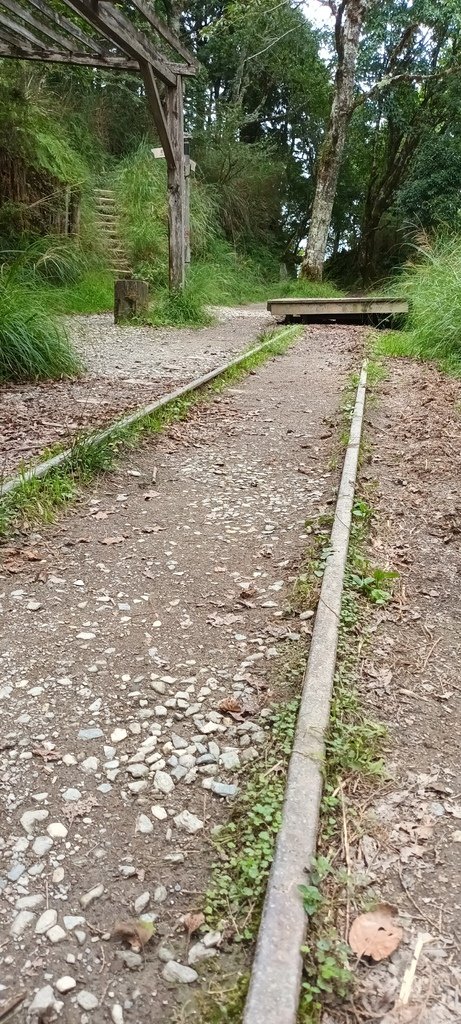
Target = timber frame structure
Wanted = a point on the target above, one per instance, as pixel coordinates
(128, 36)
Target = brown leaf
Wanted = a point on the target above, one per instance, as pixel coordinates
(231, 705)
(223, 620)
(48, 755)
(81, 807)
(375, 934)
(135, 933)
(192, 922)
(248, 592)
(113, 540)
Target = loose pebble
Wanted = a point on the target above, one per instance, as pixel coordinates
(178, 974)
(65, 984)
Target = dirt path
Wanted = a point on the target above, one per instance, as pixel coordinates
(411, 681)
(126, 367)
(138, 614)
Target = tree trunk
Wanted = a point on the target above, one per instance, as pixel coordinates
(349, 22)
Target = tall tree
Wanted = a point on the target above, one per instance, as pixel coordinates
(349, 16)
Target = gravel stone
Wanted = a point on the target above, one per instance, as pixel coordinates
(199, 952)
(57, 830)
(87, 1000)
(144, 824)
(65, 984)
(159, 812)
(118, 735)
(230, 760)
(130, 959)
(141, 902)
(92, 895)
(90, 734)
(46, 921)
(56, 934)
(30, 818)
(43, 1001)
(71, 794)
(42, 845)
(160, 894)
(163, 782)
(179, 974)
(21, 922)
(188, 822)
(222, 789)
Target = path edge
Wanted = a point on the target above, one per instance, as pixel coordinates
(41, 469)
(275, 982)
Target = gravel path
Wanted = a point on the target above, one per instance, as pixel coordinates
(125, 627)
(126, 367)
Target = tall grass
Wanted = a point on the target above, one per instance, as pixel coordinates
(32, 344)
(432, 284)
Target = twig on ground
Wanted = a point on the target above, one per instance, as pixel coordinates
(347, 859)
(429, 655)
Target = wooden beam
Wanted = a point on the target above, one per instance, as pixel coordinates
(20, 31)
(175, 122)
(108, 20)
(67, 26)
(158, 113)
(30, 19)
(144, 7)
(16, 51)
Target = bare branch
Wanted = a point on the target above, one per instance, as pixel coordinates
(272, 43)
(406, 76)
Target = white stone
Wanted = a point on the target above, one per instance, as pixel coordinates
(29, 819)
(21, 922)
(179, 974)
(65, 984)
(137, 771)
(90, 764)
(71, 794)
(160, 894)
(118, 735)
(230, 760)
(86, 636)
(87, 1000)
(42, 845)
(199, 952)
(144, 824)
(46, 921)
(69, 760)
(57, 830)
(42, 1002)
(117, 1014)
(163, 782)
(141, 902)
(159, 812)
(72, 921)
(56, 934)
(30, 902)
(188, 822)
(58, 875)
(91, 896)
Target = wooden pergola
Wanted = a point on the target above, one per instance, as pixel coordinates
(128, 36)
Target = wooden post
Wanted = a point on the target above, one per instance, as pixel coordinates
(131, 298)
(187, 173)
(176, 185)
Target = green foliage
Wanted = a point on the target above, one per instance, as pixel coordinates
(432, 286)
(93, 293)
(32, 345)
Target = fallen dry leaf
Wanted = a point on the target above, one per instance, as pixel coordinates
(135, 933)
(231, 705)
(80, 807)
(375, 934)
(48, 755)
(192, 922)
(223, 620)
(113, 540)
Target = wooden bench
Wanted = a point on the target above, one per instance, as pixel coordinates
(348, 310)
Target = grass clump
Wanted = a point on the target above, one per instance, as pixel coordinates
(432, 284)
(92, 293)
(32, 344)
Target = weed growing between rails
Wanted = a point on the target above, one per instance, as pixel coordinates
(36, 500)
(353, 763)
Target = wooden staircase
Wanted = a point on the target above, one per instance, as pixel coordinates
(107, 224)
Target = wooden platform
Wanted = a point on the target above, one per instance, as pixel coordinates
(348, 310)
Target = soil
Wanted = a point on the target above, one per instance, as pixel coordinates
(411, 849)
(135, 616)
(126, 367)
